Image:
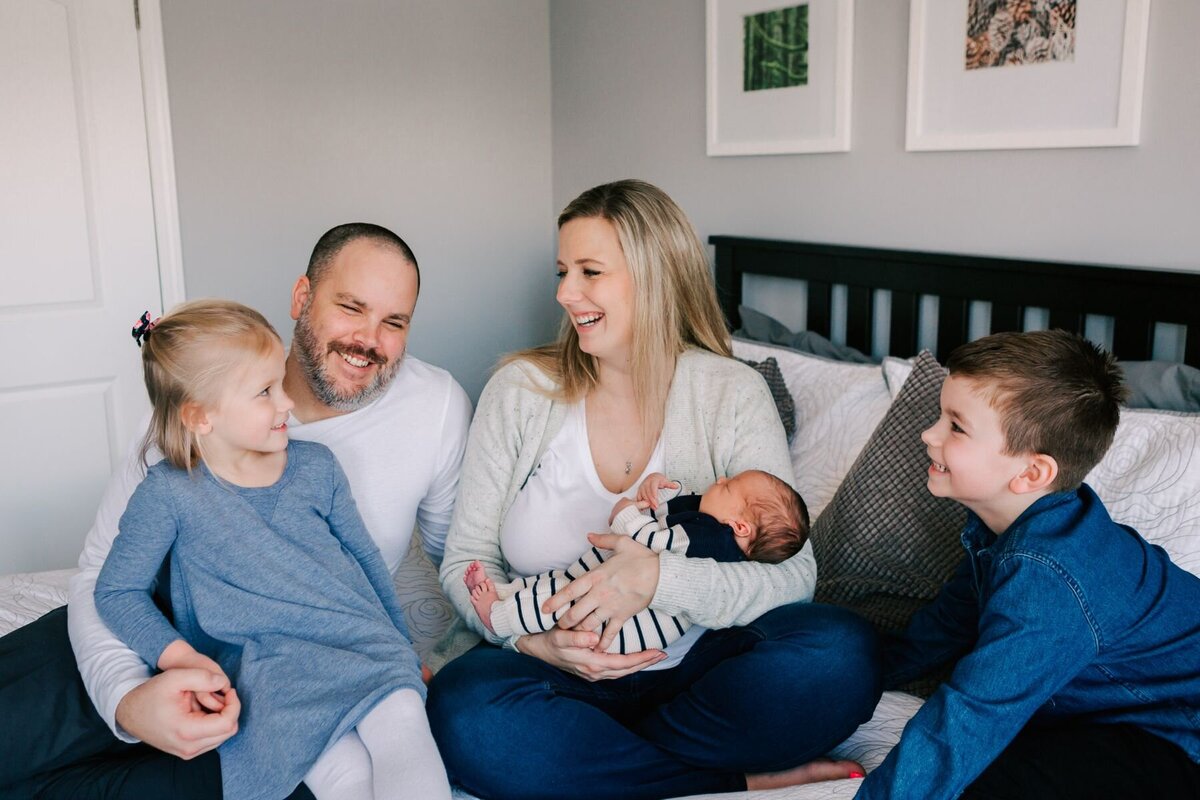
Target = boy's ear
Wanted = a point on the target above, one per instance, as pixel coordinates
(300, 293)
(195, 419)
(1039, 475)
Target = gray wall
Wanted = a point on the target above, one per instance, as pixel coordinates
(434, 117)
(431, 117)
(629, 100)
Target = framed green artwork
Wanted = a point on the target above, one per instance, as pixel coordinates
(779, 76)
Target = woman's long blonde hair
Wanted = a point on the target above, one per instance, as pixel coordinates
(675, 303)
(185, 358)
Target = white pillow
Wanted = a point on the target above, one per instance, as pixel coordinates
(1150, 480)
(895, 373)
(838, 405)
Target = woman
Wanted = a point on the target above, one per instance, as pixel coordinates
(639, 381)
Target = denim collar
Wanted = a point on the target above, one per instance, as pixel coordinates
(978, 537)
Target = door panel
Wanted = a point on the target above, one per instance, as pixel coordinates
(77, 267)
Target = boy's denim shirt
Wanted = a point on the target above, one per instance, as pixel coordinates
(1066, 614)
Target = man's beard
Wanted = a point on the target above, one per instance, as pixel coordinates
(310, 355)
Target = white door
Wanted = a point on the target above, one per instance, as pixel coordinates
(78, 264)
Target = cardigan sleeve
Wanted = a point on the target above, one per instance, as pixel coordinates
(721, 595)
(489, 469)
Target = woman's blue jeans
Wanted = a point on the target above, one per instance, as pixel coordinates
(761, 698)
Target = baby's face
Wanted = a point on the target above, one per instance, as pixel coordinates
(728, 498)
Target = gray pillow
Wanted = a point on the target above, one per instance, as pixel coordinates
(884, 545)
(760, 327)
(1162, 385)
(784, 404)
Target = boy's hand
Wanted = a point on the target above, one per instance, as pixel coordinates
(181, 655)
(647, 493)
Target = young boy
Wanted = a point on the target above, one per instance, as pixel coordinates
(752, 515)
(1079, 641)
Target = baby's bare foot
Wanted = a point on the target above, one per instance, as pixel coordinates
(823, 769)
(483, 594)
(474, 575)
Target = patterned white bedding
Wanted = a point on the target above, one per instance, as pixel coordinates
(26, 596)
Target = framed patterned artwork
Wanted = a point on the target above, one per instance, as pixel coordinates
(1005, 74)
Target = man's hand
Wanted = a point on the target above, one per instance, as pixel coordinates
(647, 493)
(163, 712)
(572, 651)
(616, 590)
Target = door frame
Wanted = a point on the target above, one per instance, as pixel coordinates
(161, 151)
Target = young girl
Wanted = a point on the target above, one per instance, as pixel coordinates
(274, 580)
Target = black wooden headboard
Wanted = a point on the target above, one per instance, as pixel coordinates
(1135, 299)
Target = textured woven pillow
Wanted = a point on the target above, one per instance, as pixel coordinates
(885, 545)
(784, 404)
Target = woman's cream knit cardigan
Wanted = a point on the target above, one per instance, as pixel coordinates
(720, 421)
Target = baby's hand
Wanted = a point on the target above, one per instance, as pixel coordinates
(621, 505)
(647, 493)
(181, 655)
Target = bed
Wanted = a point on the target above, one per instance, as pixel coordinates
(889, 304)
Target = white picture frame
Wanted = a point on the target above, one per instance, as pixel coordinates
(810, 118)
(1092, 100)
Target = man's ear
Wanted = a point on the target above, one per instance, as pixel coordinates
(1039, 475)
(195, 419)
(300, 294)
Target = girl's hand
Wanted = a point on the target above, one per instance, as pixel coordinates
(615, 591)
(647, 493)
(572, 651)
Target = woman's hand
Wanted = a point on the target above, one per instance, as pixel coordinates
(572, 651)
(616, 590)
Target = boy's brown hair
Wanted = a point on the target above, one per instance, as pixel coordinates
(780, 520)
(1056, 393)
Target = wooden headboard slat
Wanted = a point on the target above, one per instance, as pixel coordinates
(860, 317)
(1069, 319)
(1007, 317)
(1134, 337)
(952, 323)
(906, 324)
(820, 307)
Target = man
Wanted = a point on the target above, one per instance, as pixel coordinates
(397, 425)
